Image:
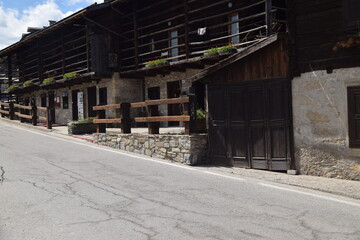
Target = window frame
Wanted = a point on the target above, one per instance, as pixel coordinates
(353, 116)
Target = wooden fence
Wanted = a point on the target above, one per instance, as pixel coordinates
(153, 119)
(26, 112)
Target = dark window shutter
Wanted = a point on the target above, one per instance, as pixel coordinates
(354, 116)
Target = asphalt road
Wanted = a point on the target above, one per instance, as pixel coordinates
(61, 188)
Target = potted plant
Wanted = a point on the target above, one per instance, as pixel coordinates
(157, 63)
(28, 83)
(48, 80)
(70, 75)
(227, 50)
(12, 88)
(211, 52)
(82, 126)
(200, 122)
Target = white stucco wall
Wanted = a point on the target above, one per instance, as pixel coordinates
(321, 124)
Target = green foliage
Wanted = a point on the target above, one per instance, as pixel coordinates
(28, 83)
(156, 62)
(69, 75)
(212, 50)
(48, 80)
(200, 113)
(228, 48)
(86, 120)
(12, 88)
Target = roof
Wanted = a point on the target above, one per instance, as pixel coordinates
(81, 13)
(234, 58)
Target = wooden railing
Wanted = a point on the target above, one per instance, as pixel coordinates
(153, 119)
(21, 113)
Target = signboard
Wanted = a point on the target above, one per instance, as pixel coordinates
(80, 103)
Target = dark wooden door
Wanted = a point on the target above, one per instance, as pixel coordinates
(173, 91)
(91, 97)
(52, 106)
(249, 125)
(75, 109)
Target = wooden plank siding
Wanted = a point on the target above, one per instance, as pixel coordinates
(318, 27)
(269, 62)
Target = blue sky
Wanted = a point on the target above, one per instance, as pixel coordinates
(17, 15)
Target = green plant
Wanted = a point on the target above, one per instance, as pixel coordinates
(212, 50)
(28, 83)
(69, 75)
(156, 62)
(12, 88)
(48, 80)
(200, 113)
(227, 48)
(85, 120)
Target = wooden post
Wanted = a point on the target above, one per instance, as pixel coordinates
(101, 127)
(22, 111)
(2, 108)
(34, 115)
(268, 7)
(11, 111)
(190, 109)
(186, 28)
(125, 118)
(136, 33)
(153, 127)
(48, 118)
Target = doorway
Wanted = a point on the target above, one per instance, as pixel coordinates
(75, 109)
(173, 91)
(249, 124)
(51, 100)
(91, 97)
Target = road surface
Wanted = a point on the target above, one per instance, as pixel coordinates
(55, 187)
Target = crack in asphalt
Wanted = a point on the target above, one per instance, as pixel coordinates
(2, 173)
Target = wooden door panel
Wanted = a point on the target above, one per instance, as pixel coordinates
(278, 146)
(239, 145)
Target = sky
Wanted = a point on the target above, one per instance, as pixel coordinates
(17, 15)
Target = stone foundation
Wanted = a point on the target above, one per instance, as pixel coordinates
(320, 122)
(186, 149)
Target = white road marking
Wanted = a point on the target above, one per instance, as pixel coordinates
(310, 194)
(159, 161)
(190, 168)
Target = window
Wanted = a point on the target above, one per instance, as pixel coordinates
(65, 100)
(352, 13)
(354, 116)
(234, 29)
(174, 41)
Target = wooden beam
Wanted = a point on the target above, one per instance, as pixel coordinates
(163, 119)
(23, 115)
(167, 101)
(112, 106)
(22, 107)
(4, 112)
(186, 29)
(109, 120)
(268, 8)
(136, 33)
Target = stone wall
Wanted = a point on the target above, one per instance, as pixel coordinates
(321, 124)
(186, 149)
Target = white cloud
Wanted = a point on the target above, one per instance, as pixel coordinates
(14, 23)
(73, 2)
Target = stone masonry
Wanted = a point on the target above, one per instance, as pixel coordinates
(186, 149)
(320, 122)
